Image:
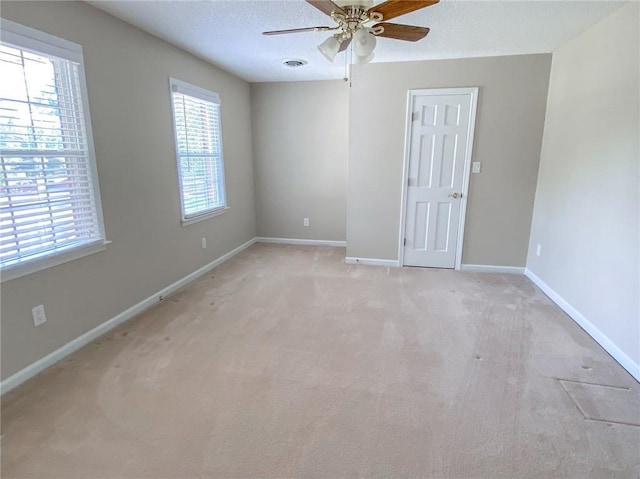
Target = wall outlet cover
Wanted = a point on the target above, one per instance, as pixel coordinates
(39, 317)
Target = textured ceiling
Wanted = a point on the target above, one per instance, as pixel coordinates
(228, 33)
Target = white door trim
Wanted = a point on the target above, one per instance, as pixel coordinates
(467, 163)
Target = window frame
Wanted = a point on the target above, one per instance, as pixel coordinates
(179, 86)
(38, 42)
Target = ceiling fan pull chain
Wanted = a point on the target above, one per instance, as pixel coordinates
(347, 54)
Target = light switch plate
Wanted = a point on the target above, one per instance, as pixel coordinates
(475, 167)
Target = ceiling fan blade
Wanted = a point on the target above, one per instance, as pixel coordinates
(299, 30)
(325, 6)
(344, 45)
(408, 33)
(394, 8)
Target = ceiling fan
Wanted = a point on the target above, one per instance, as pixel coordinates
(351, 17)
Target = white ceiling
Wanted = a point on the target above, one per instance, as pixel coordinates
(228, 33)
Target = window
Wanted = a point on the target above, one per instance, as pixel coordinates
(196, 115)
(49, 200)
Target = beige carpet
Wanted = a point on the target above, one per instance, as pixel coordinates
(287, 363)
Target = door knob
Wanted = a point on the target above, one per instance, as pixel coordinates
(455, 196)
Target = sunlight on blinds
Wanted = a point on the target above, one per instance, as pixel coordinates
(199, 148)
(47, 202)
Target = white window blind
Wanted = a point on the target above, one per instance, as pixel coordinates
(198, 139)
(49, 202)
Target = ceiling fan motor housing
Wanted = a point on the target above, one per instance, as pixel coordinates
(359, 3)
(353, 17)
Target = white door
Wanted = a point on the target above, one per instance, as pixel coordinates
(440, 132)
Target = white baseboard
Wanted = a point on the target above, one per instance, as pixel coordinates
(601, 338)
(490, 268)
(389, 263)
(306, 242)
(27, 373)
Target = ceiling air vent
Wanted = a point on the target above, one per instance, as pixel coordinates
(294, 63)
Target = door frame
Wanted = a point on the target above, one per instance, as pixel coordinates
(411, 94)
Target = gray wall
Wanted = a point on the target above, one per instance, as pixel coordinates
(127, 75)
(301, 144)
(509, 125)
(586, 215)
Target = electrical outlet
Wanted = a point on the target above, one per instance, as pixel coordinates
(475, 167)
(204, 243)
(306, 222)
(538, 249)
(38, 315)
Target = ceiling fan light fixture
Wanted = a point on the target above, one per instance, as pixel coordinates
(362, 60)
(363, 43)
(329, 48)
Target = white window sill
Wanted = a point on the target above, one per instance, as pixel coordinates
(205, 216)
(54, 259)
